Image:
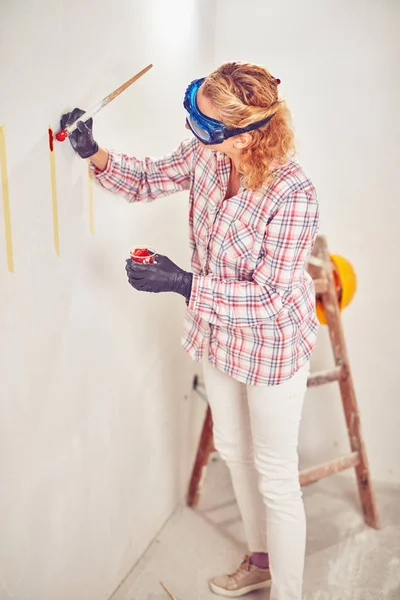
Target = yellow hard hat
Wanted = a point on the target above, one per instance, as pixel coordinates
(345, 283)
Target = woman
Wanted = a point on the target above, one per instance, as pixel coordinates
(253, 220)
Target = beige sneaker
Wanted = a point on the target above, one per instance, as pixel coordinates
(245, 579)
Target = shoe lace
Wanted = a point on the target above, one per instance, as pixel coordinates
(244, 567)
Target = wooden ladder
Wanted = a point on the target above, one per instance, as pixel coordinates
(320, 269)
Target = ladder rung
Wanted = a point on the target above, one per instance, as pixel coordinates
(322, 377)
(318, 378)
(321, 285)
(315, 261)
(329, 468)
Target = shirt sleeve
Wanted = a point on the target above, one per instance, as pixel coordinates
(148, 179)
(287, 244)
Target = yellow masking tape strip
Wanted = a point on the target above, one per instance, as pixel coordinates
(54, 199)
(91, 205)
(6, 201)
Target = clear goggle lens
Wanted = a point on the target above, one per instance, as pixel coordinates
(201, 133)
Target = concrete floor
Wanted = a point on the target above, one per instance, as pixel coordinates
(345, 559)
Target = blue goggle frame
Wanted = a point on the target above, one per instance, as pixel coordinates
(207, 130)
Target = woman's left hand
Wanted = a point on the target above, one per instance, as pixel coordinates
(161, 276)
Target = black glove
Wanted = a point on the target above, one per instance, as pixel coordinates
(82, 138)
(162, 276)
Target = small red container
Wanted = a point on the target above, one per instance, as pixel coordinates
(143, 254)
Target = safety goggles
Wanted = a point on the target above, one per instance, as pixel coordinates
(208, 130)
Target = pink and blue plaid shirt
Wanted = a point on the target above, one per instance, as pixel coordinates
(252, 302)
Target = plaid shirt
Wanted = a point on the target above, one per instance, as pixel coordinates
(252, 302)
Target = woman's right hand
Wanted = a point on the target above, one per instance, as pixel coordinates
(82, 138)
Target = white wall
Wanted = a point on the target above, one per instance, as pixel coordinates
(97, 432)
(338, 62)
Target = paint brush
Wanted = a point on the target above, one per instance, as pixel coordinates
(64, 133)
(170, 594)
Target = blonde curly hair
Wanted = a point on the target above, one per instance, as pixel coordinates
(244, 93)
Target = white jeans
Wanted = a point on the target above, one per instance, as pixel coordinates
(256, 432)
